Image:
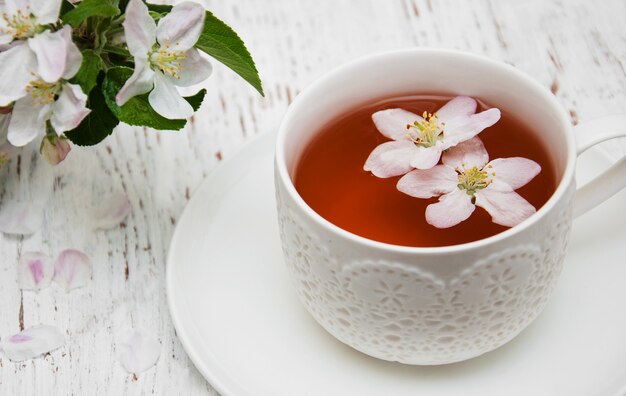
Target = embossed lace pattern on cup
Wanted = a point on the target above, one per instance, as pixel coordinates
(398, 312)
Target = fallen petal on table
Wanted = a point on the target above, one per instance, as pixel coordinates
(21, 218)
(112, 212)
(34, 271)
(137, 352)
(72, 269)
(32, 342)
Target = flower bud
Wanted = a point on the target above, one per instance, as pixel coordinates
(55, 149)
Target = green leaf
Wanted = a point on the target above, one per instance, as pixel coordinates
(196, 100)
(87, 76)
(222, 43)
(98, 124)
(161, 9)
(89, 8)
(66, 6)
(137, 111)
(101, 30)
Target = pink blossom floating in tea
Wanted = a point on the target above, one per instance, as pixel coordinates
(467, 179)
(32, 342)
(417, 142)
(137, 352)
(72, 269)
(34, 271)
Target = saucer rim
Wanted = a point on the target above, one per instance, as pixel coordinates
(224, 384)
(182, 333)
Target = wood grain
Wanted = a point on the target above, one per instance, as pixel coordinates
(576, 48)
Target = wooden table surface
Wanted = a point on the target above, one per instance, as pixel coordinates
(576, 48)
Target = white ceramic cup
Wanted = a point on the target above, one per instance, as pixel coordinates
(444, 304)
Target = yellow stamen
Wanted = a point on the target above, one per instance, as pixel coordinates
(473, 179)
(21, 25)
(42, 92)
(169, 62)
(3, 159)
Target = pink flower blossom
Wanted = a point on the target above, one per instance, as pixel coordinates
(468, 179)
(24, 19)
(165, 57)
(48, 60)
(417, 142)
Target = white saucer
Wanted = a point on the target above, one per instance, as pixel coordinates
(240, 321)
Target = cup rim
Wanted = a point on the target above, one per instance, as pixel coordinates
(538, 89)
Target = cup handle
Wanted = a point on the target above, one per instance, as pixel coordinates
(612, 180)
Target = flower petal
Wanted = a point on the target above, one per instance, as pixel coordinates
(55, 150)
(5, 36)
(139, 83)
(451, 209)
(515, 171)
(139, 29)
(461, 106)
(28, 120)
(19, 62)
(462, 129)
(137, 352)
(46, 11)
(181, 28)
(426, 157)
(390, 159)
(32, 342)
(34, 271)
(21, 218)
(70, 109)
(51, 50)
(427, 183)
(392, 122)
(74, 57)
(471, 153)
(112, 211)
(194, 69)
(166, 100)
(506, 208)
(72, 269)
(13, 6)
